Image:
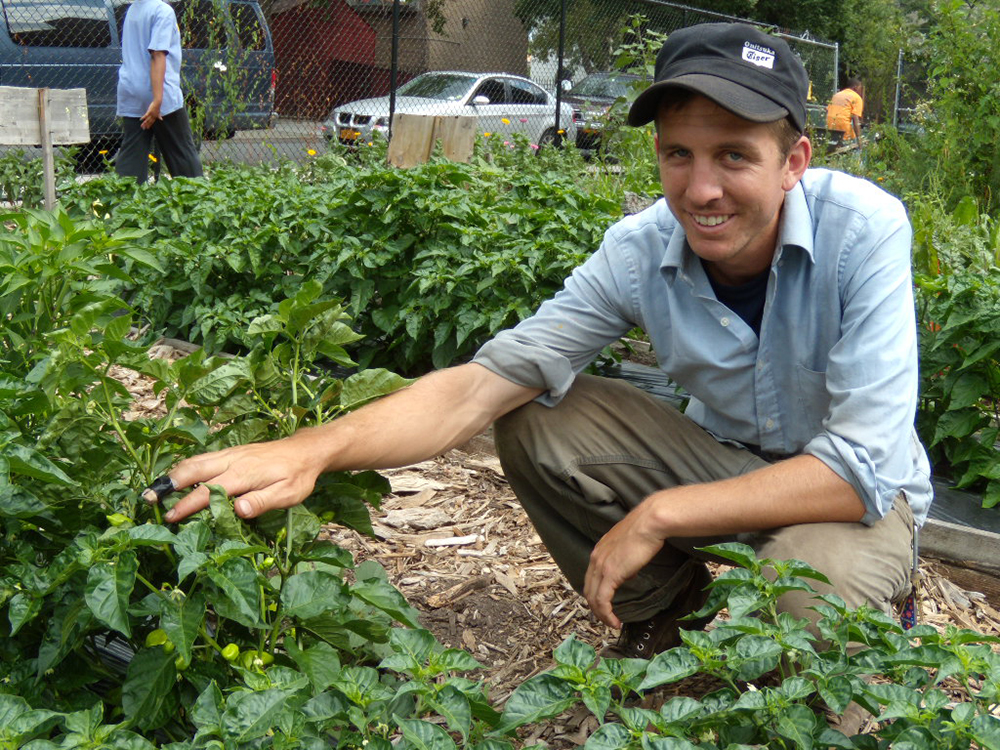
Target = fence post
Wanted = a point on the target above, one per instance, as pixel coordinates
(560, 74)
(48, 165)
(899, 85)
(394, 63)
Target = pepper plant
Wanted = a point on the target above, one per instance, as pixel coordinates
(777, 676)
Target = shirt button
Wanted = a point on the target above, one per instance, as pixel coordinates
(725, 322)
(760, 365)
(769, 424)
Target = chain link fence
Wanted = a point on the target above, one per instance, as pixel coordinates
(283, 79)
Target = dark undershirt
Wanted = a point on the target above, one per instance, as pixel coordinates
(746, 300)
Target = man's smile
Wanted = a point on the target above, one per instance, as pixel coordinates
(711, 221)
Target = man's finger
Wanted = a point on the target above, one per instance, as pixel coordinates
(194, 501)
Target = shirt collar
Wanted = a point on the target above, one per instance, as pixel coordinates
(795, 231)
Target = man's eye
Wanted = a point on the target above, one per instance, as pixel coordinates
(734, 156)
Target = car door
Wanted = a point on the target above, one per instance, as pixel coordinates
(530, 109)
(492, 115)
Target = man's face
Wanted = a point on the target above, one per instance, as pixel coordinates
(725, 181)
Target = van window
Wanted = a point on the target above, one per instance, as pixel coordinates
(248, 26)
(58, 24)
(202, 24)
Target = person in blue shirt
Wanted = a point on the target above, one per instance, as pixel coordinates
(778, 296)
(150, 101)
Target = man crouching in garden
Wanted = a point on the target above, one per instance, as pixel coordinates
(779, 297)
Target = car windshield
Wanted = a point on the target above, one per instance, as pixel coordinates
(446, 87)
(607, 87)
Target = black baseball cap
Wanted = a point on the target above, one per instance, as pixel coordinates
(754, 75)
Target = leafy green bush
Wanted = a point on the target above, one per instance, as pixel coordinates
(21, 176)
(913, 707)
(431, 260)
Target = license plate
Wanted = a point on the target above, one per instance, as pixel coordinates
(349, 134)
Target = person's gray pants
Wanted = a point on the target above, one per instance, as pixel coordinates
(173, 136)
(579, 467)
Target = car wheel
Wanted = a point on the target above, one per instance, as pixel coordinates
(548, 139)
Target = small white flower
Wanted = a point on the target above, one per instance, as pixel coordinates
(220, 66)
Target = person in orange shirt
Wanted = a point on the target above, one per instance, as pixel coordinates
(843, 114)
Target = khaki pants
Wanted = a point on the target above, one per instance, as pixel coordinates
(579, 467)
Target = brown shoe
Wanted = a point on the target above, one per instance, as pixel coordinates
(644, 639)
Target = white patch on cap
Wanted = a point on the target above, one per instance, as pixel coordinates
(758, 55)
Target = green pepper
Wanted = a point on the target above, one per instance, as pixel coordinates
(230, 652)
(157, 638)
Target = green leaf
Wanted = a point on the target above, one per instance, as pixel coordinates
(239, 594)
(797, 723)
(423, 735)
(383, 596)
(609, 737)
(670, 666)
(22, 609)
(575, 653)
(151, 534)
(739, 553)
(836, 692)
(454, 707)
(19, 722)
(182, 619)
(206, 711)
(219, 383)
(680, 709)
(249, 716)
(986, 731)
(109, 586)
(320, 663)
(31, 463)
(148, 696)
(310, 594)
(368, 385)
(968, 390)
(17, 502)
(540, 697)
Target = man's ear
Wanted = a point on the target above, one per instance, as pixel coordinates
(796, 163)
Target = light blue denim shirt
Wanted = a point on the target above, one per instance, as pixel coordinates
(834, 372)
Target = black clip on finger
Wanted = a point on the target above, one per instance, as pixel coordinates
(159, 489)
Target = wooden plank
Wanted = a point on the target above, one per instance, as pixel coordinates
(412, 138)
(962, 545)
(457, 135)
(48, 162)
(66, 111)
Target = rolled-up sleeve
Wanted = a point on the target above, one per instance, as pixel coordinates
(868, 437)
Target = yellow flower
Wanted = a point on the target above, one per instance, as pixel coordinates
(103, 153)
(505, 121)
(152, 158)
(311, 152)
(487, 135)
(562, 132)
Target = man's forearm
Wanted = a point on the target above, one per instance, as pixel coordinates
(800, 490)
(437, 412)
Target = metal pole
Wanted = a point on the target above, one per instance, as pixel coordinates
(560, 74)
(899, 85)
(394, 64)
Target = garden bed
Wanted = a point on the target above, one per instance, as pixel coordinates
(455, 541)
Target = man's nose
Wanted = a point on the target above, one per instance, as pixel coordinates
(704, 183)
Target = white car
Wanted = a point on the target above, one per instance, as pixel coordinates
(504, 104)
